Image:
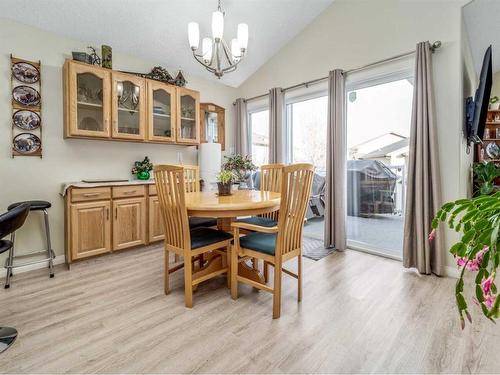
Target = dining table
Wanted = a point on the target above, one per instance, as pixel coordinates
(227, 209)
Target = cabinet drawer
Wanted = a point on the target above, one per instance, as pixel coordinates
(90, 194)
(152, 190)
(128, 191)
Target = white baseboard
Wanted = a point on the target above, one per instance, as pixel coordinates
(60, 259)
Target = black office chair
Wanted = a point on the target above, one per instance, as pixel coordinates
(10, 222)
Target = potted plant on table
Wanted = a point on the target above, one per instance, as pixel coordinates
(141, 169)
(224, 181)
(241, 166)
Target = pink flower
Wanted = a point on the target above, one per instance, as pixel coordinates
(486, 285)
(473, 265)
(461, 261)
(432, 235)
(489, 300)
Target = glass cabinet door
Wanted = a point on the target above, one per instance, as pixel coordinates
(89, 101)
(188, 116)
(161, 124)
(128, 107)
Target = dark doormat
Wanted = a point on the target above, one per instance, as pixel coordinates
(314, 249)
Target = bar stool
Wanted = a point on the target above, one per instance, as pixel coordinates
(9, 263)
(10, 222)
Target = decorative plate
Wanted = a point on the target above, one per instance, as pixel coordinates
(26, 95)
(25, 72)
(26, 120)
(492, 150)
(26, 143)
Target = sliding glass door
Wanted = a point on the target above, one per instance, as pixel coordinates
(378, 131)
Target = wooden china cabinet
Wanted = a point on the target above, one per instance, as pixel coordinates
(104, 104)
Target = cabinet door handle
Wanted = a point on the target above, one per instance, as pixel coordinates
(107, 213)
(129, 192)
(116, 212)
(106, 125)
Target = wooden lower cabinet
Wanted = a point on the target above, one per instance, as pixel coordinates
(129, 223)
(156, 229)
(104, 219)
(90, 229)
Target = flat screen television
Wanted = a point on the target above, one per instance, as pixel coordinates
(477, 109)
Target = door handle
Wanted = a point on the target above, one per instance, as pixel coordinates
(88, 195)
(129, 192)
(116, 212)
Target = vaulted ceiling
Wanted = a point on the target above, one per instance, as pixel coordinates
(483, 28)
(157, 29)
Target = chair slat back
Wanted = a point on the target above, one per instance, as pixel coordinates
(296, 184)
(170, 186)
(191, 178)
(270, 180)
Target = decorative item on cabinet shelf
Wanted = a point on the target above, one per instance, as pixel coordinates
(26, 107)
(94, 57)
(494, 103)
(159, 73)
(107, 56)
(141, 169)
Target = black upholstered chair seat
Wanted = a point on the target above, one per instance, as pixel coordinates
(260, 221)
(261, 242)
(197, 222)
(207, 236)
(5, 245)
(34, 205)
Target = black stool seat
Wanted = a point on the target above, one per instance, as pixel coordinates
(5, 245)
(34, 205)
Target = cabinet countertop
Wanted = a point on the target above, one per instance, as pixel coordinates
(81, 185)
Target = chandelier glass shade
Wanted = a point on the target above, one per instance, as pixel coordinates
(216, 55)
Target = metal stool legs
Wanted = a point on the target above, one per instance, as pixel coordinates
(50, 252)
(9, 263)
(7, 337)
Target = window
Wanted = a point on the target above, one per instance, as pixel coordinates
(259, 125)
(307, 124)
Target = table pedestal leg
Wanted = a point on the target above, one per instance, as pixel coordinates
(224, 223)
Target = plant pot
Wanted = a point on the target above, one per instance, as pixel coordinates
(224, 189)
(494, 106)
(144, 175)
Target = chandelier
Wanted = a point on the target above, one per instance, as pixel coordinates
(216, 56)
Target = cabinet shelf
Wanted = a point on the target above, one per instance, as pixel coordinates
(128, 110)
(160, 115)
(89, 105)
(192, 119)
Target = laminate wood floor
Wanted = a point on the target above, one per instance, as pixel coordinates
(359, 314)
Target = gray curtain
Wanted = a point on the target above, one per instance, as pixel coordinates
(277, 139)
(242, 144)
(335, 193)
(423, 192)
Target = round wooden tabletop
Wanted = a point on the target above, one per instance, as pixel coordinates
(240, 203)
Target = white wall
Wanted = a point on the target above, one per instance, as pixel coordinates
(63, 160)
(352, 33)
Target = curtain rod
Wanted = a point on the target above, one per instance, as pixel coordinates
(434, 47)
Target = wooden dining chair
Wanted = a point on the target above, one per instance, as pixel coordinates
(179, 239)
(270, 180)
(278, 244)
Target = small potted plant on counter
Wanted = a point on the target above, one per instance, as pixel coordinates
(485, 174)
(224, 181)
(241, 166)
(141, 169)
